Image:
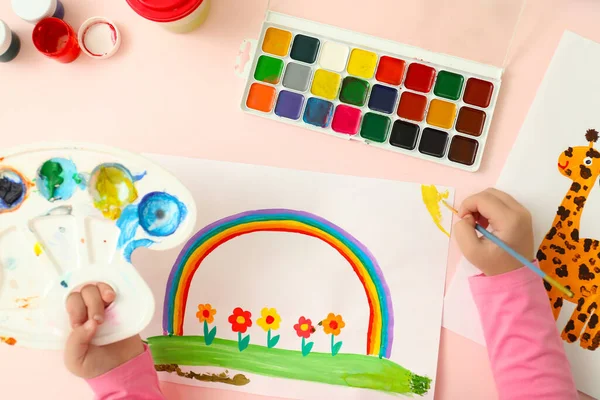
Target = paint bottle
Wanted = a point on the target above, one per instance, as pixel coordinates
(56, 39)
(10, 44)
(33, 11)
(179, 16)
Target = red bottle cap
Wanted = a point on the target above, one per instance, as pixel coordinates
(164, 10)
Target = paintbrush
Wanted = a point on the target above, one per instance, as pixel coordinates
(496, 240)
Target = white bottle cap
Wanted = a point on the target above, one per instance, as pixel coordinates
(34, 10)
(5, 37)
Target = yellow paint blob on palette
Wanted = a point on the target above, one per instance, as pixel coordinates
(386, 94)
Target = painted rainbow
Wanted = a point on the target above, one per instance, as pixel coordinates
(380, 335)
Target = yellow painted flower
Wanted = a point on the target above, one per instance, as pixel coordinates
(206, 313)
(269, 319)
(333, 324)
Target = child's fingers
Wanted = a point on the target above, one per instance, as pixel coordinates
(506, 199)
(94, 303)
(76, 309)
(107, 293)
(78, 343)
(466, 237)
(486, 204)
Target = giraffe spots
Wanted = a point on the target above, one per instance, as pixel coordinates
(594, 289)
(569, 245)
(575, 235)
(592, 307)
(575, 187)
(568, 197)
(585, 172)
(562, 236)
(588, 244)
(595, 342)
(570, 326)
(557, 249)
(593, 321)
(582, 317)
(576, 258)
(592, 261)
(569, 152)
(541, 256)
(544, 247)
(569, 223)
(584, 291)
(585, 337)
(562, 271)
(571, 338)
(585, 274)
(592, 153)
(585, 187)
(579, 202)
(563, 213)
(597, 270)
(556, 261)
(558, 303)
(591, 135)
(551, 233)
(547, 286)
(580, 303)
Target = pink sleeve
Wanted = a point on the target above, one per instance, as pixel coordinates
(525, 349)
(134, 380)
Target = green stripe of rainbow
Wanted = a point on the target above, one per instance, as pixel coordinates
(381, 321)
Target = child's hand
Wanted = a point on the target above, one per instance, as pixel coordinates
(510, 221)
(86, 313)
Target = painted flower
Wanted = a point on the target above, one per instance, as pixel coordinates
(333, 324)
(304, 328)
(206, 313)
(240, 320)
(269, 320)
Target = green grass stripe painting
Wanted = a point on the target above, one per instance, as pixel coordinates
(349, 370)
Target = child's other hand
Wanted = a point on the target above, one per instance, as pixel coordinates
(509, 220)
(86, 313)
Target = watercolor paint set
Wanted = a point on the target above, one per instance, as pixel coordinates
(386, 94)
(74, 214)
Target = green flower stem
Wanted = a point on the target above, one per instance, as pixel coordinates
(303, 343)
(332, 343)
(239, 337)
(269, 338)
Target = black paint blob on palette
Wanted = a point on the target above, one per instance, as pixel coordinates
(10, 192)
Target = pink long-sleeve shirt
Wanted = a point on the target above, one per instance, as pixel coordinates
(524, 346)
(525, 349)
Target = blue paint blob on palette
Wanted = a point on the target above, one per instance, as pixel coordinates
(354, 86)
(74, 214)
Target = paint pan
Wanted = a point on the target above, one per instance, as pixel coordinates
(389, 95)
(73, 214)
(99, 37)
(57, 40)
(10, 44)
(33, 11)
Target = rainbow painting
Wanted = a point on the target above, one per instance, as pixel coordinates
(380, 334)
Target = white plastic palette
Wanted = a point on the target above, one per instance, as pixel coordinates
(71, 215)
(412, 101)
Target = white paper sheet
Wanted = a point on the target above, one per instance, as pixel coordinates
(566, 106)
(302, 276)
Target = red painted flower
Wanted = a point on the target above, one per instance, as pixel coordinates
(240, 320)
(304, 328)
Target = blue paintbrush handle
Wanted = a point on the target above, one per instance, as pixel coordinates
(509, 250)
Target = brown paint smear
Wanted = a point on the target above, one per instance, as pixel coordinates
(223, 377)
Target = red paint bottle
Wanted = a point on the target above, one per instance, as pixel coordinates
(56, 39)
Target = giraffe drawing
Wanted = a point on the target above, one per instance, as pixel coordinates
(572, 260)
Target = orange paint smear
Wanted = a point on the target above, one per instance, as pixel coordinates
(25, 302)
(8, 340)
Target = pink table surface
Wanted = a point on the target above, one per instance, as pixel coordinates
(178, 95)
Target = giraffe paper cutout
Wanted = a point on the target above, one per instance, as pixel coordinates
(570, 259)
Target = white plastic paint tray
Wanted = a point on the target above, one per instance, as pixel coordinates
(72, 214)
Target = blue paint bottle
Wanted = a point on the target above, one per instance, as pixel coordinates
(33, 11)
(10, 44)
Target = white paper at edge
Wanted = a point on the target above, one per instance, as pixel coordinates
(301, 275)
(566, 105)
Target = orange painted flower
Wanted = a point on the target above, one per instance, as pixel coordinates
(240, 320)
(206, 313)
(269, 319)
(333, 324)
(304, 328)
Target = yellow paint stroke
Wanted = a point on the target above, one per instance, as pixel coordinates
(38, 249)
(432, 198)
(8, 340)
(113, 189)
